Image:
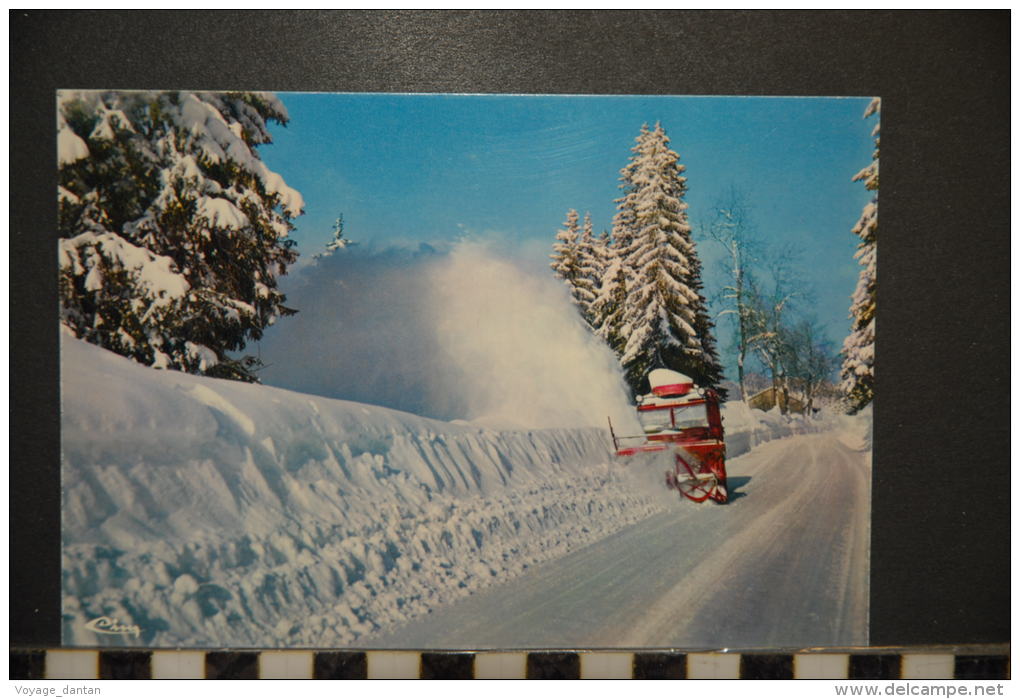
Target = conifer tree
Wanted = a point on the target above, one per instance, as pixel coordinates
(665, 319)
(601, 254)
(610, 307)
(338, 242)
(571, 262)
(611, 298)
(858, 372)
(173, 232)
(585, 287)
(706, 369)
(564, 257)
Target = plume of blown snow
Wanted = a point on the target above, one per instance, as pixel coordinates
(517, 354)
(471, 333)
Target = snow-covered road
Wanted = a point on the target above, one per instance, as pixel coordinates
(785, 564)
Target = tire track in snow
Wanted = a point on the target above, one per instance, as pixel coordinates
(790, 575)
(784, 564)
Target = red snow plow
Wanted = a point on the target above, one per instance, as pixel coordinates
(679, 417)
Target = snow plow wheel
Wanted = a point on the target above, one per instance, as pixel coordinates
(698, 489)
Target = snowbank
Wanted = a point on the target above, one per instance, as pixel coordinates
(214, 513)
(747, 427)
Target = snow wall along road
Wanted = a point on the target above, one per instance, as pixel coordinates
(215, 513)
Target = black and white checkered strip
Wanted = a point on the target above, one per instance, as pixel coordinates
(904, 664)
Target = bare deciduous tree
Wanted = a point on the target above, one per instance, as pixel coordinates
(770, 303)
(731, 227)
(811, 358)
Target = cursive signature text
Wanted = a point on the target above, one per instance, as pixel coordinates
(105, 624)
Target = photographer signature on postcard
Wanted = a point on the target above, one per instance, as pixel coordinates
(112, 626)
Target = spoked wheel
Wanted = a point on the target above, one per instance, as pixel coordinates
(700, 488)
(697, 487)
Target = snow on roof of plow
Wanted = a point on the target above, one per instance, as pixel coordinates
(669, 382)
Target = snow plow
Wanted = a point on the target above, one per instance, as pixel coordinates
(681, 418)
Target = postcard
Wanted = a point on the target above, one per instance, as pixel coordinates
(466, 371)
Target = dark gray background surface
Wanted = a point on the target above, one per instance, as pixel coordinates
(940, 551)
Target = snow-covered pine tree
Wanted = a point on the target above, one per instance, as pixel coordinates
(571, 262)
(666, 323)
(858, 372)
(610, 299)
(599, 259)
(707, 369)
(173, 232)
(585, 287)
(564, 257)
(601, 254)
(339, 242)
(625, 220)
(610, 307)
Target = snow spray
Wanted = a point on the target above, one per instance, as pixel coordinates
(645, 475)
(517, 353)
(472, 333)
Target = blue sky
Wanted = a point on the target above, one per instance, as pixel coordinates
(405, 169)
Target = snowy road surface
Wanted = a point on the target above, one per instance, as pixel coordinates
(785, 564)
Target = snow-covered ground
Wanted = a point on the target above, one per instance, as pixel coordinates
(213, 513)
(783, 565)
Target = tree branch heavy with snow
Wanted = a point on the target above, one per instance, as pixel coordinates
(173, 232)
